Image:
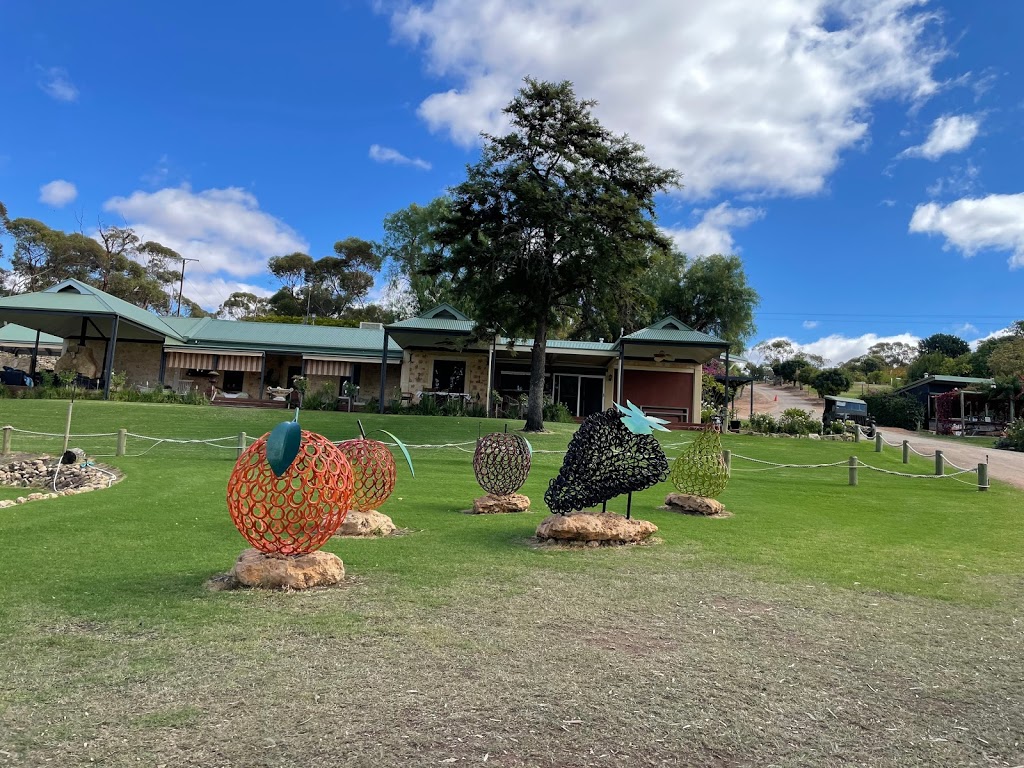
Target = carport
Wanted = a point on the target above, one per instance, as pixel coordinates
(75, 311)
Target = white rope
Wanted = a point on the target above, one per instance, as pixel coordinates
(776, 465)
(956, 466)
(891, 445)
(924, 455)
(951, 475)
(57, 434)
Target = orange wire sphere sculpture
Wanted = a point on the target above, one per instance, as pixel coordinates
(373, 468)
(501, 463)
(297, 512)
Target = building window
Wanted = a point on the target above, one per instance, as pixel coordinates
(233, 381)
(449, 376)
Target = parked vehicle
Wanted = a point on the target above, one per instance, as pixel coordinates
(847, 409)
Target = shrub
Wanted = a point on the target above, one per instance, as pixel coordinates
(1014, 440)
(795, 421)
(892, 410)
(556, 411)
(763, 422)
(321, 399)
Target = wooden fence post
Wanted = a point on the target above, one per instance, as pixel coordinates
(122, 441)
(878, 441)
(853, 470)
(856, 433)
(940, 463)
(7, 441)
(727, 460)
(983, 477)
(241, 442)
(906, 451)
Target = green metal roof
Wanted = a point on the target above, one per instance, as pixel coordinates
(212, 333)
(75, 298)
(590, 346)
(444, 318)
(13, 335)
(671, 330)
(942, 379)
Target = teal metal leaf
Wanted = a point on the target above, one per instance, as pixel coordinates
(528, 446)
(283, 444)
(638, 422)
(401, 445)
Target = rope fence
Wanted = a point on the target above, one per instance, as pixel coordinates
(99, 442)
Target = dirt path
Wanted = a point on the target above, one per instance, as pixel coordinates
(1006, 466)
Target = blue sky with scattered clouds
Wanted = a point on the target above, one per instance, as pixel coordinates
(864, 157)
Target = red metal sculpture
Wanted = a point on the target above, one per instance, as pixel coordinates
(501, 463)
(297, 512)
(373, 468)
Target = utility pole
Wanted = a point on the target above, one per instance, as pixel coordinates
(181, 285)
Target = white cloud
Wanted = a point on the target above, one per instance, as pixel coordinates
(838, 348)
(56, 83)
(210, 292)
(950, 133)
(223, 228)
(971, 224)
(743, 96)
(58, 193)
(811, 324)
(965, 329)
(388, 155)
(712, 234)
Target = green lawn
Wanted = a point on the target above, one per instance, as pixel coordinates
(463, 623)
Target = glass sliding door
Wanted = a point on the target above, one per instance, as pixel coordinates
(582, 395)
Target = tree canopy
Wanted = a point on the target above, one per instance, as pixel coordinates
(555, 219)
(944, 343)
(832, 382)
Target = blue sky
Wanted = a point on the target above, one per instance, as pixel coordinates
(864, 157)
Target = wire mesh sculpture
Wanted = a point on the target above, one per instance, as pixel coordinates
(605, 458)
(373, 470)
(501, 463)
(296, 512)
(700, 470)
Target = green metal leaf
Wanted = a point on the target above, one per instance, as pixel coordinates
(283, 444)
(401, 445)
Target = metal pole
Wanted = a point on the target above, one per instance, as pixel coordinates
(622, 361)
(181, 285)
(263, 374)
(108, 363)
(726, 419)
(490, 376)
(853, 470)
(940, 463)
(751, 395)
(906, 451)
(983, 477)
(383, 370)
(35, 356)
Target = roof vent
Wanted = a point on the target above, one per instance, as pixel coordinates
(670, 326)
(371, 326)
(444, 314)
(69, 289)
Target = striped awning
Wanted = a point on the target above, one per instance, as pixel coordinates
(247, 363)
(317, 365)
(205, 359)
(202, 361)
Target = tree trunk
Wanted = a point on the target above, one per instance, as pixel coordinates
(535, 406)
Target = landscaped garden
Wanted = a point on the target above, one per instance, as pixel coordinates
(821, 624)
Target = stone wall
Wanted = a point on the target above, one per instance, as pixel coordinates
(418, 370)
(24, 361)
(369, 381)
(140, 361)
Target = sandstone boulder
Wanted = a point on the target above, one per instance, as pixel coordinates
(599, 527)
(368, 523)
(694, 505)
(316, 569)
(497, 505)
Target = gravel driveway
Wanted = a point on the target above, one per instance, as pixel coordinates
(1006, 466)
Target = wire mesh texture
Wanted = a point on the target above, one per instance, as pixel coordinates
(502, 463)
(604, 459)
(373, 471)
(297, 512)
(700, 470)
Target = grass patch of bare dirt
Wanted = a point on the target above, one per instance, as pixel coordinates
(677, 663)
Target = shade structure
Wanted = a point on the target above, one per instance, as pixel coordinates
(322, 365)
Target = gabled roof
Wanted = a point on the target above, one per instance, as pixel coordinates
(441, 318)
(942, 379)
(57, 308)
(211, 333)
(13, 335)
(670, 330)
